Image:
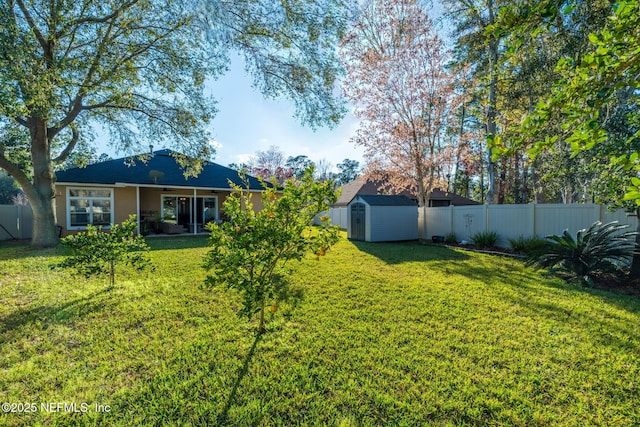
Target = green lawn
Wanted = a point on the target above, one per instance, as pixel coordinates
(384, 334)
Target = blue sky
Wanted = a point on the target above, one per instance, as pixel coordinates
(246, 122)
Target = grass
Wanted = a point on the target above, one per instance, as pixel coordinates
(385, 334)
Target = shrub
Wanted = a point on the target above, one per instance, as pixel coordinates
(249, 253)
(601, 248)
(485, 239)
(532, 246)
(451, 238)
(97, 252)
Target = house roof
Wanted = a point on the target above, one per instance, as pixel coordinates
(456, 200)
(362, 186)
(386, 200)
(160, 169)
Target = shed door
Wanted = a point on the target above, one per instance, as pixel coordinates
(358, 221)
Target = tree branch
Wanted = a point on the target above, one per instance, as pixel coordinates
(94, 20)
(75, 136)
(21, 121)
(34, 27)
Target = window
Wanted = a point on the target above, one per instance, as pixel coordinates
(209, 209)
(89, 206)
(169, 209)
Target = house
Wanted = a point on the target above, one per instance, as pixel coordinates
(439, 198)
(155, 189)
(361, 186)
(382, 218)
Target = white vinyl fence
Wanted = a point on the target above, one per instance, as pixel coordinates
(338, 216)
(512, 221)
(15, 222)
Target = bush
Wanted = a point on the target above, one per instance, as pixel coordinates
(451, 238)
(97, 252)
(601, 248)
(532, 246)
(485, 239)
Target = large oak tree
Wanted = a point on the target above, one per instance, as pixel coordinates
(138, 68)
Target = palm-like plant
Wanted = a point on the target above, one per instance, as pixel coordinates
(602, 248)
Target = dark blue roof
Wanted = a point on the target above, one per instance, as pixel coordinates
(131, 170)
(386, 200)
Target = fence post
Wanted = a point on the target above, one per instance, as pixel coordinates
(533, 219)
(425, 232)
(599, 207)
(451, 230)
(19, 221)
(486, 218)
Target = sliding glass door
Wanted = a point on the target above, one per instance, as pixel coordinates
(180, 210)
(208, 206)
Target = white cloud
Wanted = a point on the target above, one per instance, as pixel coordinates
(243, 158)
(215, 144)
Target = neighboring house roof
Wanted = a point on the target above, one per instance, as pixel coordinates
(386, 200)
(455, 199)
(349, 191)
(362, 186)
(160, 169)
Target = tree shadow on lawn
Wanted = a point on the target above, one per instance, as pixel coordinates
(163, 243)
(22, 250)
(411, 251)
(552, 298)
(223, 418)
(611, 328)
(189, 389)
(46, 315)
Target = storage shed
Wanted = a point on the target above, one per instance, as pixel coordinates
(382, 218)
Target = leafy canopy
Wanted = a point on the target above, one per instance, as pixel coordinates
(585, 96)
(139, 67)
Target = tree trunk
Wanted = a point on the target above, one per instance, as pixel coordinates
(517, 180)
(525, 183)
(502, 186)
(42, 196)
(635, 264)
(491, 108)
(420, 193)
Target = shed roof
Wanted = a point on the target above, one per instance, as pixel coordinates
(386, 200)
(161, 168)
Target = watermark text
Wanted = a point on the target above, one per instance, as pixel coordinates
(53, 407)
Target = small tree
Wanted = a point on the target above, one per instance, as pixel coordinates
(97, 252)
(250, 253)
